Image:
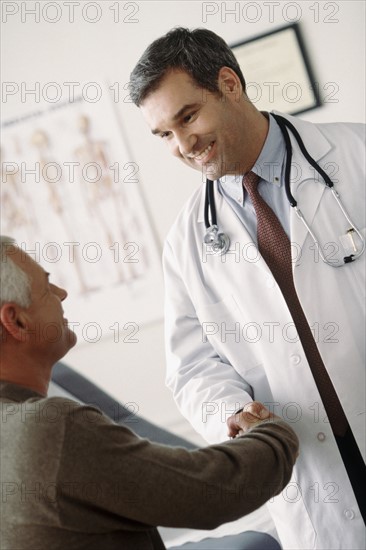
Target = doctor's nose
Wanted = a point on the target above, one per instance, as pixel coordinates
(184, 145)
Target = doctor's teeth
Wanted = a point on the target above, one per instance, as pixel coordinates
(204, 153)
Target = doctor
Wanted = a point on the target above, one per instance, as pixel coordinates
(268, 320)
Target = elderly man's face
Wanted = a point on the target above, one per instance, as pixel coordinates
(47, 328)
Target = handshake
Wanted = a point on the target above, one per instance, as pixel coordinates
(252, 414)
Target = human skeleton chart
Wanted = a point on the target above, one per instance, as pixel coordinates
(70, 192)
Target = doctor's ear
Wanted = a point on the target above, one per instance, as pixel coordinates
(13, 320)
(229, 84)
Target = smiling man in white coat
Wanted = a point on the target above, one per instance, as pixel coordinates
(273, 316)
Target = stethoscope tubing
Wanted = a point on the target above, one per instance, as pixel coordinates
(210, 207)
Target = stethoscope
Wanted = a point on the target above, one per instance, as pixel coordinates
(220, 242)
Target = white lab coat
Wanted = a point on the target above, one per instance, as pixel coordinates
(230, 335)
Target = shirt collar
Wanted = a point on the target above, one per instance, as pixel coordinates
(16, 392)
(270, 161)
(269, 164)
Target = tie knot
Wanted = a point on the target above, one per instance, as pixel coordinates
(250, 182)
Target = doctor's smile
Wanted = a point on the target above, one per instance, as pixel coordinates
(203, 157)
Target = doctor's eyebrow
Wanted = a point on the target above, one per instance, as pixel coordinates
(178, 115)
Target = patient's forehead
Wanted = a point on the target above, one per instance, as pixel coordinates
(27, 264)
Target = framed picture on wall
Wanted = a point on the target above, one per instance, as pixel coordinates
(278, 72)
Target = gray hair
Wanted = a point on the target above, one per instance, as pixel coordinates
(15, 284)
(200, 52)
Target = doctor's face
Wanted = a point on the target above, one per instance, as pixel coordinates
(208, 132)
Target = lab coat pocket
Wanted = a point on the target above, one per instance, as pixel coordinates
(222, 326)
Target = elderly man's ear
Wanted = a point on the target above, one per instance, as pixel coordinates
(14, 320)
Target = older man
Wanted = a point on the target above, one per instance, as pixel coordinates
(71, 478)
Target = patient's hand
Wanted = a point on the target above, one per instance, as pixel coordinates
(253, 413)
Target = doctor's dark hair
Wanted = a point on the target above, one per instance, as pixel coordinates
(200, 52)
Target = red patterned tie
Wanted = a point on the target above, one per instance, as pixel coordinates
(275, 247)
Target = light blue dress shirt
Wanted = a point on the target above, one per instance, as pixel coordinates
(270, 166)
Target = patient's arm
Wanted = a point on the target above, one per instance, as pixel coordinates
(154, 484)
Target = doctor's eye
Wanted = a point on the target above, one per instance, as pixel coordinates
(188, 118)
(164, 134)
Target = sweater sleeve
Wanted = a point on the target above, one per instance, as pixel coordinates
(106, 469)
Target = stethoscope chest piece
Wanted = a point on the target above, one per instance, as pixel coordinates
(218, 241)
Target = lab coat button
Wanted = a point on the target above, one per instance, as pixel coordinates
(296, 359)
(349, 514)
(321, 436)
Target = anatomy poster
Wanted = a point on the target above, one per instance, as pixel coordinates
(71, 196)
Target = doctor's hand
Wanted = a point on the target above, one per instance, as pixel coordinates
(252, 414)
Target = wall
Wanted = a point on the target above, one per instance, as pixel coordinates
(82, 51)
